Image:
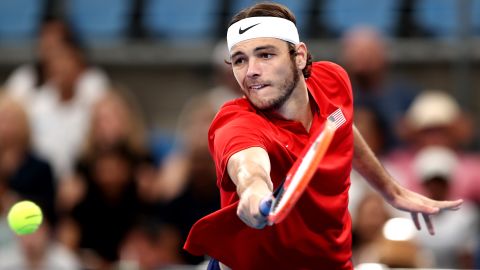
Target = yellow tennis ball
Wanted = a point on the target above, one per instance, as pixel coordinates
(25, 217)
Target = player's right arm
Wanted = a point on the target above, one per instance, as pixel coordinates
(249, 170)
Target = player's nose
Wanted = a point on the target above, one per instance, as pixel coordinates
(253, 68)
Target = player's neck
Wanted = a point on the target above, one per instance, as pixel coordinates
(297, 107)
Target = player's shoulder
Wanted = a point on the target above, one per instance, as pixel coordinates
(329, 77)
(237, 111)
(325, 69)
(330, 87)
(235, 107)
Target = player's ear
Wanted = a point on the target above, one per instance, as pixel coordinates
(301, 55)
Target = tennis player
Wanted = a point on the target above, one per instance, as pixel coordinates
(255, 140)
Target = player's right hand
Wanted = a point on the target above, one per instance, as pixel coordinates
(249, 206)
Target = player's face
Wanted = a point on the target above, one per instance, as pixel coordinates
(265, 71)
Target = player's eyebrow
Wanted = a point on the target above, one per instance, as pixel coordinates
(259, 48)
(236, 54)
(266, 47)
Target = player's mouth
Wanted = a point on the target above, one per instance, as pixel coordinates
(257, 87)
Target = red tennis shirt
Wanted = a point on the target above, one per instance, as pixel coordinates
(316, 234)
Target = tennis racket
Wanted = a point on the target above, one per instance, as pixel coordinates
(298, 177)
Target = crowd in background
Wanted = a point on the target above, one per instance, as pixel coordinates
(74, 142)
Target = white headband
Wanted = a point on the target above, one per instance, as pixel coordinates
(256, 27)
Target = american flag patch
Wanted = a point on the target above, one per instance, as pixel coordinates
(337, 118)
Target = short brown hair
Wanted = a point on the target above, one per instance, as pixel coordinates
(271, 9)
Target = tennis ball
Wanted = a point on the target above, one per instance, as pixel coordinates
(25, 217)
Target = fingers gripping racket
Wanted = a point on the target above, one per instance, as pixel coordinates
(298, 177)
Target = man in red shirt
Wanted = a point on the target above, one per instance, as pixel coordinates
(254, 141)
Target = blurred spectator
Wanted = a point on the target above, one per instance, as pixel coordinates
(150, 245)
(20, 170)
(372, 130)
(188, 178)
(107, 211)
(61, 110)
(435, 119)
(364, 55)
(373, 242)
(367, 228)
(58, 91)
(115, 120)
(194, 121)
(197, 195)
(456, 231)
(27, 79)
(37, 251)
(113, 182)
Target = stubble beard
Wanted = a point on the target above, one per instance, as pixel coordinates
(285, 90)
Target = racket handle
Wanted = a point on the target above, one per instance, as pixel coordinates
(265, 206)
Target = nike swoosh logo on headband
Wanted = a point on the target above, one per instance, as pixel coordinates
(241, 31)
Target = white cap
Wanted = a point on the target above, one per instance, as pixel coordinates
(435, 161)
(431, 109)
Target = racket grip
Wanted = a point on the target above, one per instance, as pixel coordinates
(265, 206)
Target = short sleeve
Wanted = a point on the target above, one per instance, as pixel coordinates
(330, 85)
(230, 134)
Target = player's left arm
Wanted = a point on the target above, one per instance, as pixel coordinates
(366, 163)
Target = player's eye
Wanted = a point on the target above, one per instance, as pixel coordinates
(266, 55)
(238, 61)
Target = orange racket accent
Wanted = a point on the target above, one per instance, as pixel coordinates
(300, 174)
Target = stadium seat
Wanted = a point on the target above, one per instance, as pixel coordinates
(181, 20)
(441, 18)
(341, 15)
(299, 7)
(20, 19)
(100, 21)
